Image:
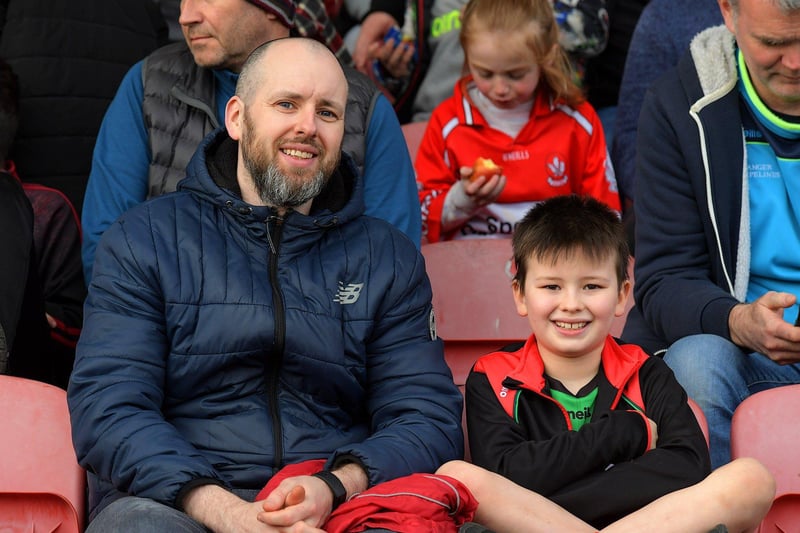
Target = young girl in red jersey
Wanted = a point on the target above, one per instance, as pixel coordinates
(519, 107)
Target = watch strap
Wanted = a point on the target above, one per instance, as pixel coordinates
(336, 486)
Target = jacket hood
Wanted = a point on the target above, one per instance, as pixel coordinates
(211, 175)
(713, 53)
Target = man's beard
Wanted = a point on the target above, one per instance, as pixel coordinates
(273, 185)
(278, 189)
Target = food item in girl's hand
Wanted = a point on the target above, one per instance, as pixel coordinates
(484, 167)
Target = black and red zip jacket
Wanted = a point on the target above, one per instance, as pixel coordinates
(605, 470)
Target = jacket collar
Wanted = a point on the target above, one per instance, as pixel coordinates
(469, 113)
(619, 364)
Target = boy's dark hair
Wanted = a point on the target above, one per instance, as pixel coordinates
(9, 107)
(563, 225)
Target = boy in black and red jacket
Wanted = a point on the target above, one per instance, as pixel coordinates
(584, 432)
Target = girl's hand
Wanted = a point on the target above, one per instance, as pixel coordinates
(467, 196)
(483, 190)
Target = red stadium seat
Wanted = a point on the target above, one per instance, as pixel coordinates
(413, 132)
(766, 426)
(701, 418)
(42, 487)
(472, 301)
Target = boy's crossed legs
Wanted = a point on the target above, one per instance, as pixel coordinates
(737, 495)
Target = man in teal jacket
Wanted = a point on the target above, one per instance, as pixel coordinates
(717, 255)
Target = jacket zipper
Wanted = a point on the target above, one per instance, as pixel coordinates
(274, 362)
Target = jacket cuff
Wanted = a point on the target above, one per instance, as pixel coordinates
(193, 484)
(714, 319)
(344, 459)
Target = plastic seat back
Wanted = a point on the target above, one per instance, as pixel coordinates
(701, 418)
(413, 132)
(766, 426)
(42, 487)
(783, 515)
(472, 301)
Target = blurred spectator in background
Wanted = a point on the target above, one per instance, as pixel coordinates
(662, 35)
(313, 18)
(70, 58)
(41, 282)
(604, 72)
(718, 262)
(420, 73)
(519, 107)
(169, 101)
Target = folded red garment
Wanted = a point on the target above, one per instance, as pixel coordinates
(418, 502)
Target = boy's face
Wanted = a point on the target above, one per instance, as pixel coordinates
(571, 303)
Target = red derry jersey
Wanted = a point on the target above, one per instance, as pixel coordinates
(561, 150)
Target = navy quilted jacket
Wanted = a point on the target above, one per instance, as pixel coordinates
(222, 342)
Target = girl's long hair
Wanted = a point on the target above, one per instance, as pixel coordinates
(534, 19)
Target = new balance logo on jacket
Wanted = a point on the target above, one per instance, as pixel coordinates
(348, 294)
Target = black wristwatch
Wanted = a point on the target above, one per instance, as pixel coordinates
(336, 486)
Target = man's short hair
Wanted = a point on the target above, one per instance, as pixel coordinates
(784, 5)
(562, 226)
(251, 77)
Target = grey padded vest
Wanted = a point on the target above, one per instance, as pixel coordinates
(179, 111)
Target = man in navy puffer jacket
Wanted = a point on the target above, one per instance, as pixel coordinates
(256, 318)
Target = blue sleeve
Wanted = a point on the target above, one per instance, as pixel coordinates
(118, 179)
(642, 66)
(412, 403)
(390, 187)
(654, 49)
(116, 392)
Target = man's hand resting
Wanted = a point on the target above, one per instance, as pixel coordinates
(759, 326)
(224, 512)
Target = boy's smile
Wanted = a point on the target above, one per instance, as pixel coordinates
(571, 303)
